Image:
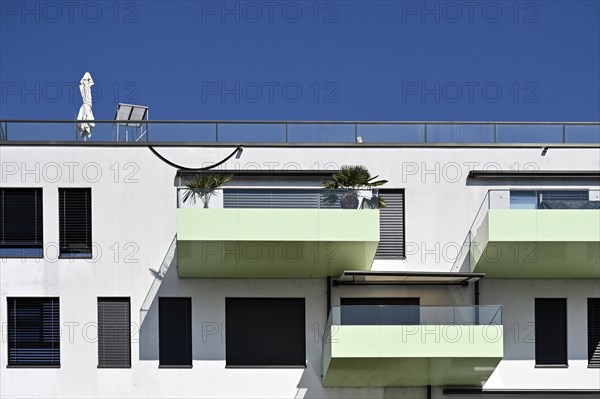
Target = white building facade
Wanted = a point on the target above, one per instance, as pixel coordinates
(481, 278)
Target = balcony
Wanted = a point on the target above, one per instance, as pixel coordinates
(384, 346)
(289, 237)
(518, 234)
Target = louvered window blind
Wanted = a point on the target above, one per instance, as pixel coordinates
(391, 226)
(33, 332)
(114, 332)
(550, 331)
(21, 222)
(75, 222)
(265, 332)
(594, 332)
(175, 332)
(276, 198)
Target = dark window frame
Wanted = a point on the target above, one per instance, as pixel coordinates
(55, 332)
(114, 299)
(35, 249)
(402, 256)
(539, 364)
(68, 253)
(229, 325)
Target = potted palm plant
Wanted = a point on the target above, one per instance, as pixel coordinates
(351, 179)
(204, 186)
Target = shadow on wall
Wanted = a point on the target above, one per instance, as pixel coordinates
(207, 336)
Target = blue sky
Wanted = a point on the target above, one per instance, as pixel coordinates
(304, 60)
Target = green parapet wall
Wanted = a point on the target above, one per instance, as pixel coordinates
(411, 355)
(275, 243)
(544, 243)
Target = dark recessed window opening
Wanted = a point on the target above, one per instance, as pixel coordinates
(21, 223)
(380, 311)
(114, 332)
(551, 332)
(33, 332)
(594, 332)
(263, 332)
(391, 226)
(75, 222)
(175, 332)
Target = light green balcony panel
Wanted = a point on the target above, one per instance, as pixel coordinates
(544, 243)
(277, 243)
(412, 355)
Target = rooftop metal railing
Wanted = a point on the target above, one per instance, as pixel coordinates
(332, 132)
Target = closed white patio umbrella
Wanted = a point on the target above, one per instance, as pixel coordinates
(85, 111)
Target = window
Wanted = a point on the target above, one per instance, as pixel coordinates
(551, 332)
(21, 222)
(594, 332)
(175, 332)
(550, 199)
(75, 222)
(33, 332)
(114, 332)
(391, 226)
(265, 332)
(523, 200)
(378, 311)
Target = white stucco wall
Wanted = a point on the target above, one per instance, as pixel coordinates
(133, 206)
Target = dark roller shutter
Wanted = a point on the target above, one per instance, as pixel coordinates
(594, 332)
(265, 332)
(21, 219)
(114, 332)
(33, 332)
(175, 331)
(380, 311)
(551, 331)
(75, 221)
(391, 225)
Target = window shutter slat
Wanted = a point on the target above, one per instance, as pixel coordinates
(33, 332)
(114, 332)
(391, 225)
(265, 332)
(175, 331)
(594, 332)
(75, 221)
(275, 198)
(551, 331)
(21, 217)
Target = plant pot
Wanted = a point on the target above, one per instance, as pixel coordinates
(349, 201)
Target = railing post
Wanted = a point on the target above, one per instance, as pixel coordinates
(564, 133)
(356, 132)
(216, 132)
(495, 137)
(425, 128)
(286, 132)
